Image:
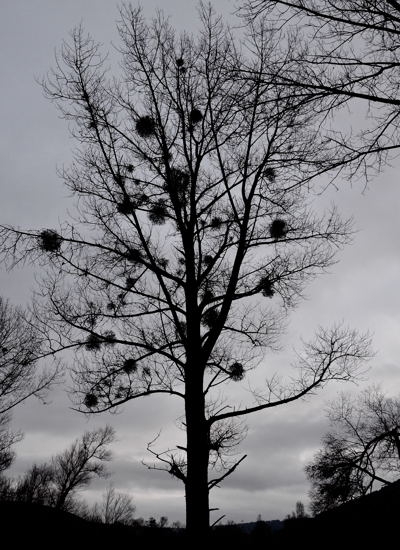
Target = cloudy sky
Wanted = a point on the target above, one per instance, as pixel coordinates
(362, 289)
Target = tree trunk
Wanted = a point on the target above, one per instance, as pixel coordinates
(197, 432)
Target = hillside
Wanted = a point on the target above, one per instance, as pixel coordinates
(369, 521)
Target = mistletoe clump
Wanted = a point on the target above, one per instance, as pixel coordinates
(91, 400)
(145, 126)
(236, 371)
(195, 116)
(50, 240)
(216, 222)
(278, 229)
(158, 213)
(93, 342)
(129, 366)
(126, 206)
(109, 337)
(270, 174)
(134, 255)
(180, 62)
(266, 287)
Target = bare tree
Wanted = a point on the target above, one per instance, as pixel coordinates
(36, 485)
(194, 235)
(20, 375)
(77, 466)
(20, 348)
(346, 55)
(6, 488)
(7, 440)
(361, 452)
(115, 508)
(55, 484)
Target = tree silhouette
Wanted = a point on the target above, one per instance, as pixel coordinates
(78, 465)
(7, 440)
(35, 486)
(114, 508)
(194, 234)
(20, 375)
(20, 349)
(361, 452)
(55, 484)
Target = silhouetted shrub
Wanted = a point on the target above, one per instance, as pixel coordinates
(50, 240)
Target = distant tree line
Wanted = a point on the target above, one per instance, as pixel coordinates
(57, 483)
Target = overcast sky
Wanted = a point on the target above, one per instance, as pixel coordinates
(362, 289)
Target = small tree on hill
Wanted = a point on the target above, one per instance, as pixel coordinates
(114, 508)
(360, 452)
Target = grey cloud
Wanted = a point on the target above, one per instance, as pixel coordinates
(361, 289)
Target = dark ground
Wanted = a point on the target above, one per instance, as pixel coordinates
(370, 522)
